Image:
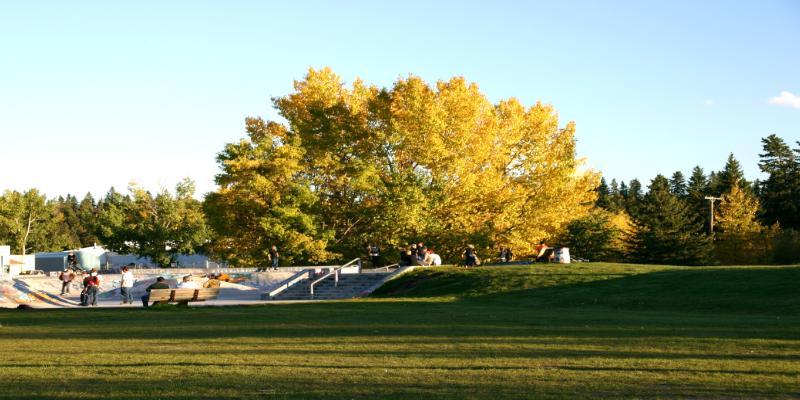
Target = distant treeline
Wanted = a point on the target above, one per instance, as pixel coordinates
(159, 226)
(357, 164)
(754, 222)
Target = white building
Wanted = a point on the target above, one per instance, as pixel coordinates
(100, 258)
(13, 265)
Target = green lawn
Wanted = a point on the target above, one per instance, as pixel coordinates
(584, 330)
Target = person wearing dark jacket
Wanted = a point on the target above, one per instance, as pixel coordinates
(91, 289)
(406, 258)
(72, 261)
(274, 256)
(470, 257)
(374, 255)
(160, 284)
(85, 291)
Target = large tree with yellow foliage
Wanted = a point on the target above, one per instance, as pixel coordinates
(419, 162)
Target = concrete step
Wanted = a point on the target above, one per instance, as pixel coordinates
(350, 285)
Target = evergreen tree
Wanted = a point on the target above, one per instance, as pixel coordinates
(616, 201)
(780, 192)
(696, 191)
(87, 215)
(67, 224)
(730, 176)
(593, 236)
(677, 185)
(714, 183)
(624, 192)
(603, 195)
(634, 197)
(667, 229)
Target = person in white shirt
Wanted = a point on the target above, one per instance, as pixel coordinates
(126, 286)
(188, 283)
(434, 258)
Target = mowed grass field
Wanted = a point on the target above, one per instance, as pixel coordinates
(582, 330)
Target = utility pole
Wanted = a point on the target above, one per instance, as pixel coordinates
(711, 200)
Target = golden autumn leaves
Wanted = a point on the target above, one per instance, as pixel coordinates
(363, 164)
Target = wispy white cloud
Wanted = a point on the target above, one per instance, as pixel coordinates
(786, 99)
(708, 102)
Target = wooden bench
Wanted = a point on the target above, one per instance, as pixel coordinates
(182, 296)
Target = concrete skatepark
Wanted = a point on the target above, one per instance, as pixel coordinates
(244, 287)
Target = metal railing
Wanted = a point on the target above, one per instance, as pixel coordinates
(335, 273)
(291, 281)
(386, 267)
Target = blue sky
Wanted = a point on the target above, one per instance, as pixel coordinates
(97, 93)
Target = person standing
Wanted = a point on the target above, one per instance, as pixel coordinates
(66, 277)
(85, 291)
(273, 256)
(375, 256)
(92, 288)
(72, 261)
(126, 286)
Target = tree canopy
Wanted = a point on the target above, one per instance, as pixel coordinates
(414, 162)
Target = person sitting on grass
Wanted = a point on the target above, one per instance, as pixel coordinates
(470, 257)
(434, 259)
(544, 253)
(405, 257)
(160, 284)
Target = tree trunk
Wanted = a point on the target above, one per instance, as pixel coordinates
(27, 233)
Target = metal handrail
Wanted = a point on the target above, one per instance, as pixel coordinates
(290, 281)
(386, 267)
(335, 273)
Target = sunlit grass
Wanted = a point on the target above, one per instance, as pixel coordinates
(597, 330)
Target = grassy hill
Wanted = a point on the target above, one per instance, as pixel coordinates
(754, 290)
(584, 330)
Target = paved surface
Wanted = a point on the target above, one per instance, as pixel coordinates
(45, 292)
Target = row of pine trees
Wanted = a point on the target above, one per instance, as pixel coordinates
(755, 222)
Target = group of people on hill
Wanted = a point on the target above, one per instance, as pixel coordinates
(506, 255)
(419, 254)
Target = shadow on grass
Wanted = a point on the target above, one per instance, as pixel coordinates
(756, 291)
(157, 364)
(713, 303)
(763, 290)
